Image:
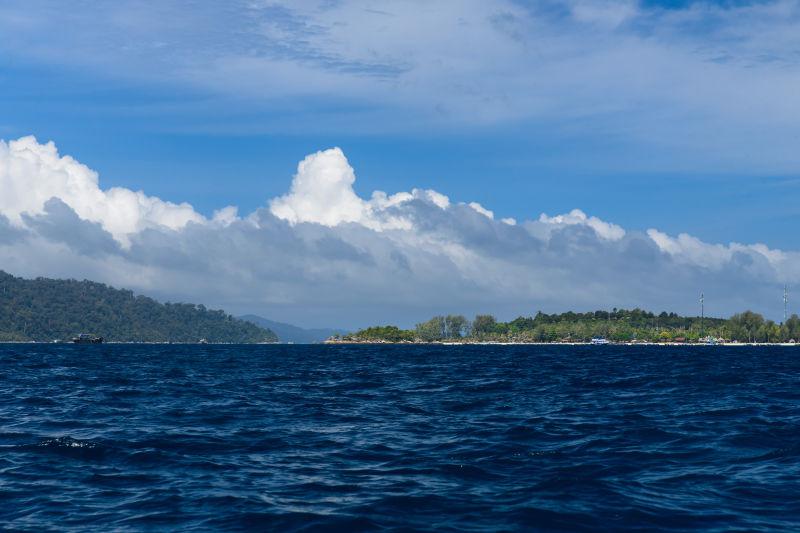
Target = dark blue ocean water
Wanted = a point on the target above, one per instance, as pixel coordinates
(350, 438)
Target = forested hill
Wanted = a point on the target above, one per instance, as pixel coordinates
(47, 309)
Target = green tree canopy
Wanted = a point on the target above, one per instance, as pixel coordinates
(48, 309)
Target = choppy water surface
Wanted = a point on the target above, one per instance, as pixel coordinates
(354, 438)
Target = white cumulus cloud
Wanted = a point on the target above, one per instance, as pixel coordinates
(576, 217)
(32, 173)
(482, 210)
(322, 192)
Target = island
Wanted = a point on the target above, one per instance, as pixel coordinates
(47, 310)
(617, 325)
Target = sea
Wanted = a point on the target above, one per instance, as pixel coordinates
(399, 438)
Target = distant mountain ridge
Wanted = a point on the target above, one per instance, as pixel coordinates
(44, 309)
(290, 333)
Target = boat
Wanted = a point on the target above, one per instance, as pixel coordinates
(599, 340)
(86, 338)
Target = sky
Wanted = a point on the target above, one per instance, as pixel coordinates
(533, 155)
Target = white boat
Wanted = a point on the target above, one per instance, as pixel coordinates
(599, 340)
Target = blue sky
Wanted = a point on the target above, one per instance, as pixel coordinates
(677, 115)
(180, 141)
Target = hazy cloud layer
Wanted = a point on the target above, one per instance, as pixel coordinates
(322, 255)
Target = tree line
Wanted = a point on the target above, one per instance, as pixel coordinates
(620, 325)
(44, 310)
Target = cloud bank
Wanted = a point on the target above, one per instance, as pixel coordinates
(320, 254)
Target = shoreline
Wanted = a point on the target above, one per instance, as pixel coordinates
(498, 343)
(105, 343)
(406, 343)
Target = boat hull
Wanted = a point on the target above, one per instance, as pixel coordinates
(87, 340)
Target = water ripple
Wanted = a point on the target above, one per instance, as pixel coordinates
(399, 438)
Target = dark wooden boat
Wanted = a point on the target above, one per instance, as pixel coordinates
(86, 338)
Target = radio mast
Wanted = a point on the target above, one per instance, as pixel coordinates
(702, 312)
(785, 303)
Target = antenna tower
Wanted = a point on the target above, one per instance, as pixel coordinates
(785, 303)
(702, 312)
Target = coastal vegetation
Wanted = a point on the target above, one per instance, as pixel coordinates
(618, 325)
(48, 309)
